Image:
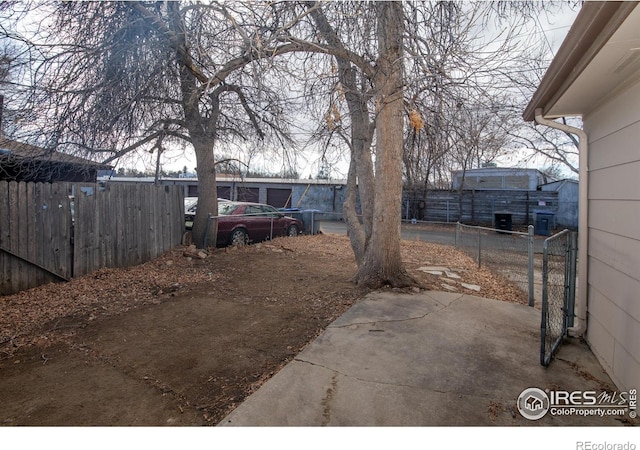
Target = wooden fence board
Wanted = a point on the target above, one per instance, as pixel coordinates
(13, 215)
(22, 260)
(31, 230)
(86, 241)
(178, 222)
(38, 237)
(140, 232)
(18, 267)
(21, 230)
(153, 220)
(58, 233)
(118, 211)
(5, 258)
(81, 232)
(107, 232)
(156, 225)
(128, 220)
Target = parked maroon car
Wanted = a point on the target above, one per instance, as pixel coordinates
(243, 222)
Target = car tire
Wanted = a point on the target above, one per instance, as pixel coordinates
(238, 237)
(293, 230)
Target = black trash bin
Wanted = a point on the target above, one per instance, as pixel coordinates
(542, 223)
(503, 220)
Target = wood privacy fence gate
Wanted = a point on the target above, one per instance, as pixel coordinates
(51, 232)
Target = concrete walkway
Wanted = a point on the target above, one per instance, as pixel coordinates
(429, 359)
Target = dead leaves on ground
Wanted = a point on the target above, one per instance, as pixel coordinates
(38, 315)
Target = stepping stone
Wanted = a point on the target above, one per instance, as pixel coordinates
(432, 270)
(436, 268)
(473, 287)
(449, 287)
(453, 275)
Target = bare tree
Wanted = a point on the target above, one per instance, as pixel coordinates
(117, 77)
(558, 147)
(14, 59)
(453, 101)
(370, 76)
(112, 78)
(461, 97)
(382, 261)
(448, 109)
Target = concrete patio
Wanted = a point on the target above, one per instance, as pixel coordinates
(428, 359)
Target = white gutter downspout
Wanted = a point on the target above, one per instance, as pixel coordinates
(583, 230)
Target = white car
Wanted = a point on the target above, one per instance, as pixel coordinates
(190, 207)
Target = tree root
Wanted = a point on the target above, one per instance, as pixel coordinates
(373, 279)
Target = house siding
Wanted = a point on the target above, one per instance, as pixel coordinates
(614, 236)
(625, 187)
(619, 253)
(610, 313)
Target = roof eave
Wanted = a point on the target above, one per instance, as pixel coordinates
(593, 27)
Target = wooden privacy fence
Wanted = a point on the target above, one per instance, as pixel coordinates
(35, 234)
(52, 232)
(477, 207)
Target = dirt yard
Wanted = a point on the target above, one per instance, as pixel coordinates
(183, 340)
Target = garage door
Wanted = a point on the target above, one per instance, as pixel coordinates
(224, 192)
(279, 198)
(246, 194)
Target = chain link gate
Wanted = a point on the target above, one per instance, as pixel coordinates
(558, 291)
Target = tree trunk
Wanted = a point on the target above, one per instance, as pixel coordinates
(382, 263)
(202, 131)
(207, 196)
(360, 179)
(355, 230)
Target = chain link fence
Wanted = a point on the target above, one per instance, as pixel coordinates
(316, 218)
(509, 253)
(558, 291)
